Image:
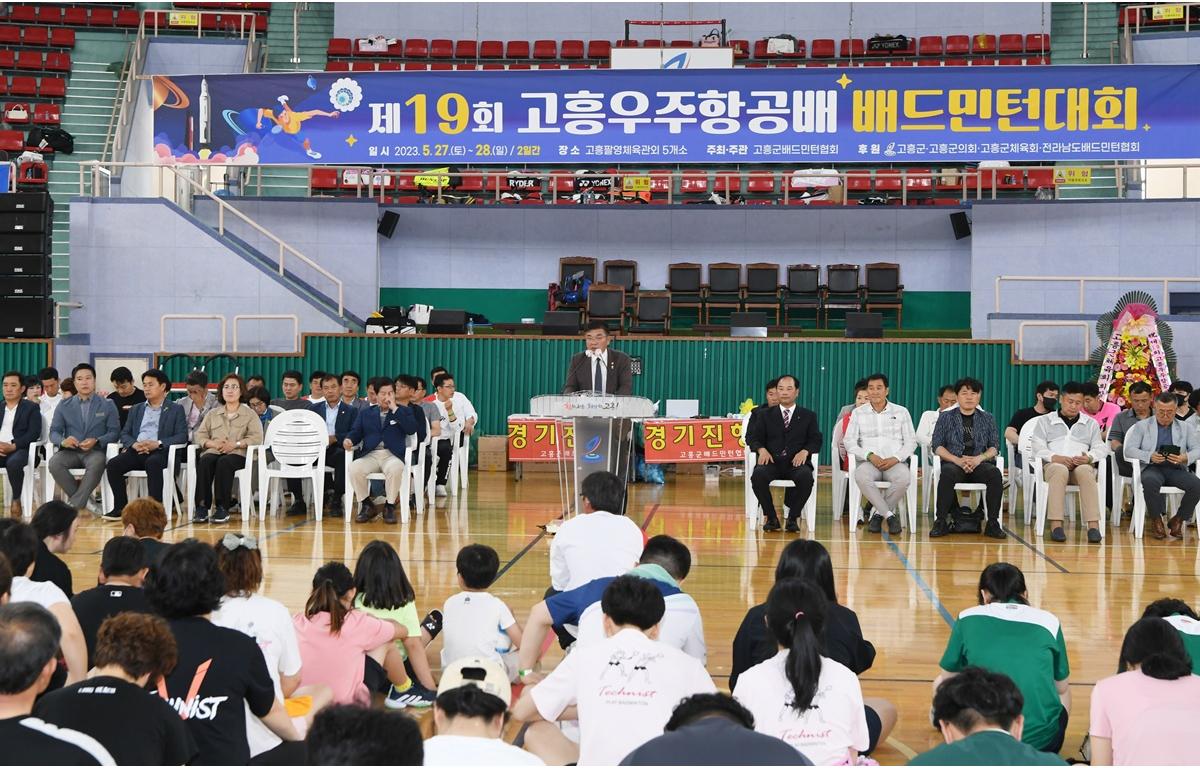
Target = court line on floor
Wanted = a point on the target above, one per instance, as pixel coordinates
(518, 556)
(1035, 550)
(649, 517)
(928, 590)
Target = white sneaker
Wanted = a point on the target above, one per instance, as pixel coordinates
(441, 491)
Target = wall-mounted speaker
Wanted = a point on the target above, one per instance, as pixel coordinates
(387, 223)
(961, 224)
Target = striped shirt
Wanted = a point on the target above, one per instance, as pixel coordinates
(33, 741)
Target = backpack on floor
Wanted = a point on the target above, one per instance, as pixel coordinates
(966, 520)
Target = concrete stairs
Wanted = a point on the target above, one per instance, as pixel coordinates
(1067, 28)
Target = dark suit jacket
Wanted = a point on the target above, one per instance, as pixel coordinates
(619, 380)
(346, 415)
(172, 425)
(766, 431)
(370, 430)
(27, 423)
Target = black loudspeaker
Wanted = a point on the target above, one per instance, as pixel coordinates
(864, 325)
(562, 322)
(35, 222)
(23, 264)
(17, 243)
(451, 321)
(26, 318)
(961, 224)
(26, 201)
(25, 285)
(387, 223)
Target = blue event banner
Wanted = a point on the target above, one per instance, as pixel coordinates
(801, 115)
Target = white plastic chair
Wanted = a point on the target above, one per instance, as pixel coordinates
(979, 488)
(416, 465)
(1119, 482)
(837, 474)
(28, 489)
(753, 510)
(106, 501)
(1174, 496)
(1042, 490)
(405, 482)
(137, 482)
(244, 479)
(909, 501)
(297, 439)
(463, 455)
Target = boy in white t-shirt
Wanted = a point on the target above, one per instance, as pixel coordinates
(475, 623)
(623, 688)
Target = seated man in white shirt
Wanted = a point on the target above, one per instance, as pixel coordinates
(469, 716)
(1068, 442)
(50, 398)
(881, 438)
(622, 690)
(947, 398)
(458, 422)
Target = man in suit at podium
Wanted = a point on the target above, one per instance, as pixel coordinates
(784, 437)
(598, 368)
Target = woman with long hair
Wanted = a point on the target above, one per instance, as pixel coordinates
(1147, 714)
(223, 436)
(336, 641)
(1007, 635)
(385, 591)
(270, 624)
(841, 639)
(800, 695)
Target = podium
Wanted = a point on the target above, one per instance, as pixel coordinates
(603, 436)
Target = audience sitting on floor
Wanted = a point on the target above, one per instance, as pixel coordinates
(469, 716)
(29, 643)
(145, 519)
(713, 729)
(1147, 713)
(133, 651)
(147, 434)
(353, 735)
(476, 623)
(1005, 634)
(83, 427)
(20, 428)
(1181, 616)
(56, 524)
(980, 716)
(881, 439)
(122, 571)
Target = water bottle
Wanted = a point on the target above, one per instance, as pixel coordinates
(470, 327)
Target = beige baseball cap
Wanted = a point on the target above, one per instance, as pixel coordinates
(487, 675)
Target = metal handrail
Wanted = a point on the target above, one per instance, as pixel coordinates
(244, 30)
(1139, 8)
(98, 169)
(162, 326)
(1083, 281)
(295, 327)
(1086, 326)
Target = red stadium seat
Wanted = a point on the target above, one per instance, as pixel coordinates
(3, 85)
(102, 17)
(10, 35)
(1011, 61)
(931, 45)
(654, 43)
(36, 36)
(627, 44)
(466, 49)
(946, 201)
(323, 178)
(984, 62)
(12, 141)
(660, 181)
(441, 48)
(1012, 44)
(822, 48)
(416, 48)
(522, 65)
(16, 106)
(787, 64)
(493, 66)
(1037, 61)
(23, 86)
(391, 66)
(958, 45)
(491, 49)
(599, 49)
(54, 87)
(28, 60)
(693, 182)
(7, 58)
(741, 48)
(918, 180)
(928, 63)
(46, 14)
(1037, 43)
(954, 63)
(760, 50)
(855, 48)
(517, 49)
(872, 64)
(571, 49)
(761, 183)
(887, 180)
(469, 67)
(76, 16)
(362, 66)
(544, 49)
(682, 44)
(815, 64)
(902, 64)
(339, 46)
(23, 14)
(548, 65)
(128, 18)
(496, 181)
(757, 65)
(858, 181)
(983, 44)
(62, 38)
(579, 65)
(1039, 177)
(437, 66)
(730, 182)
(415, 66)
(337, 66)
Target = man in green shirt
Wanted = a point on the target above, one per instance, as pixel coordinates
(979, 715)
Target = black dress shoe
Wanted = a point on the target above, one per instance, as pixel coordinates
(1058, 534)
(366, 513)
(770, 526)
(875, 525)
(994, 530)
(792, 527)
(894, 526)
(940, 528)
(389, 514)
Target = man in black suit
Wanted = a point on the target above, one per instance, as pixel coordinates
(784, 437)
(20, 427)
(339, 419)
(598, 368)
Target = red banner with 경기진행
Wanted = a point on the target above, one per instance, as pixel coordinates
(693, 441)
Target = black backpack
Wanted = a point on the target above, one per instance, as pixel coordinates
(966, 520)
(55, 138)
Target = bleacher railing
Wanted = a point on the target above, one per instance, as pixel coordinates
(1082, 283)
(1163, 9)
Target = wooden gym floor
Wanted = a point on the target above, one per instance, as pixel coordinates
(906, 591)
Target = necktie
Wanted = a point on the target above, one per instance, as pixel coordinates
(598, 385)
(787, 418)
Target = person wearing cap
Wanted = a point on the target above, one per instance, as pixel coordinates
(469, 715)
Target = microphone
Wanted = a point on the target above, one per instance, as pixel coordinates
(571, 372)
